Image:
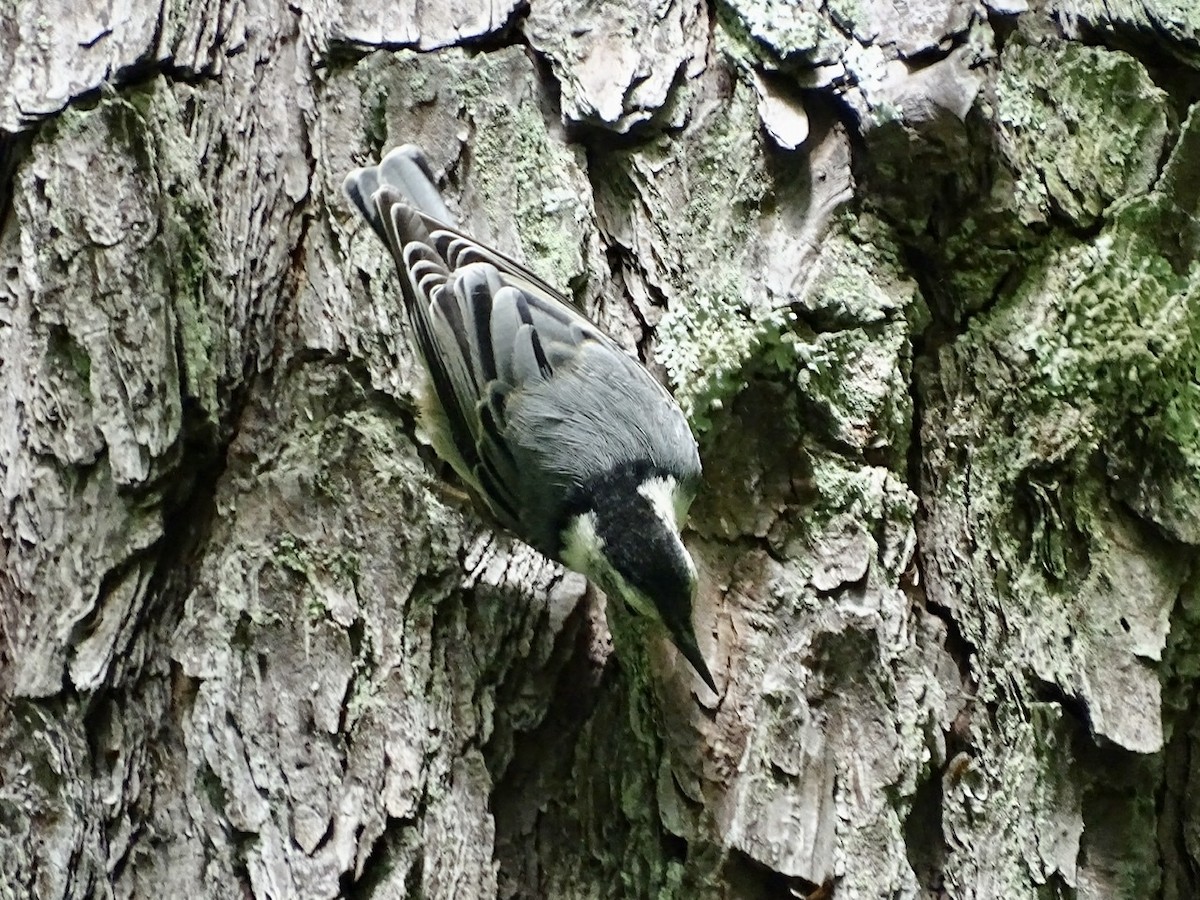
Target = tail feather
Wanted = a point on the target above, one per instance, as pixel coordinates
(407, 168)
(403, 176)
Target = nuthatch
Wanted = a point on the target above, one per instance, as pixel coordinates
(568, 441)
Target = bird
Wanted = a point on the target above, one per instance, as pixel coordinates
(560, 435)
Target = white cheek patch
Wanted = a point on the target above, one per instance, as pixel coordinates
(582, 547)
(666, 499)
(671, 505)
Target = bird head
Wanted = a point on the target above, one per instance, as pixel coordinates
(627, 542)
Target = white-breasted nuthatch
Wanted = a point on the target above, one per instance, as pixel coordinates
(568, 441)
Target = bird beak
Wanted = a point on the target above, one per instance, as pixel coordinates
(686, 642)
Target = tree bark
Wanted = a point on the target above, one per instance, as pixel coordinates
(925, 278)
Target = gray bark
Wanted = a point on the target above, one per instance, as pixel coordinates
(924, 277)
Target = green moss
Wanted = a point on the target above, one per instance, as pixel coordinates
(986, 251)
(518, 168)
(141, 128)
(186, 235)
(1085, 375)
(292, 554)
(707, 344)
(146, 121)
(1115, 336)
(846, 14)
(1096, 348)
(843, 342)
(376, 118)
(840, 486)
(390, 84)
(1079, 131)
(705, 340)
(1080, 126)
(208, 784)
(864, 493)
(299, 557)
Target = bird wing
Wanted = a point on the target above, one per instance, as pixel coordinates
(505, 349)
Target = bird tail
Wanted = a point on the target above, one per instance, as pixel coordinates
(406, 170)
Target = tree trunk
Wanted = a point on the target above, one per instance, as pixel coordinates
(924, 277)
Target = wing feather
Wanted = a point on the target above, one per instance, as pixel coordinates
(504, 325)
(480, 304)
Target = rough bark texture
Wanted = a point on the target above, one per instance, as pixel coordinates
(923, 274)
